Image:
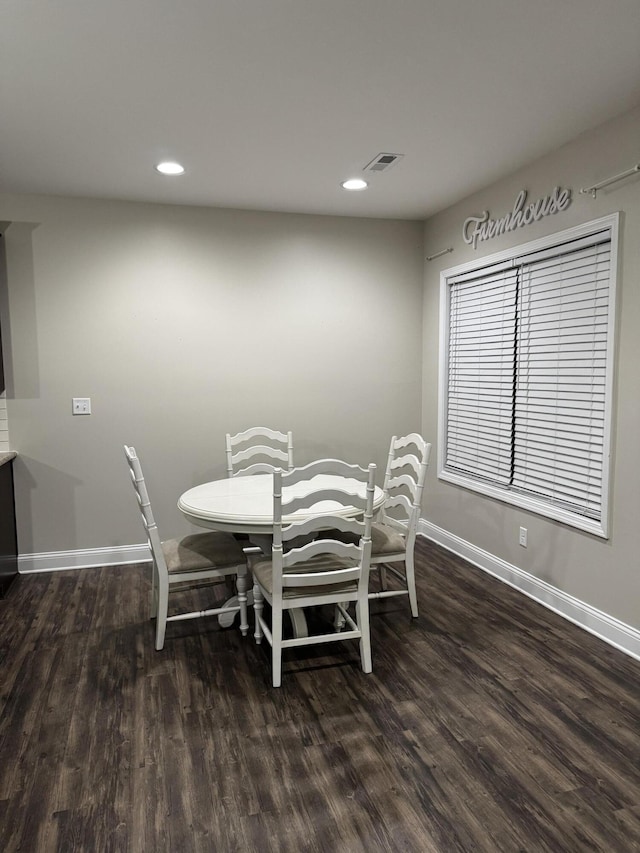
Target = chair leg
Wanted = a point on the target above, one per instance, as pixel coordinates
(299, 622)
(241, 585)
(161, 616)
(258, 604)
(154, 591)
(276, 645)
(362, 619)
(411, 583)
(382, 574)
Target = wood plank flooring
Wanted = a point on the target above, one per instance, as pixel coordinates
(488, 724)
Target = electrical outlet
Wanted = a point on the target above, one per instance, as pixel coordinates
(81, 406)
(523, 537)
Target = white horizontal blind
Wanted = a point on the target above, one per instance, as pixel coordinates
(481, 367)
(559, 421)
(526, 374)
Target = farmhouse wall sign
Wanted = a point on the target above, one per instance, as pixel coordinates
(478, 228)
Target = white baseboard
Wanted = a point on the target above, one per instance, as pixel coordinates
(611, 630)
(89, 558)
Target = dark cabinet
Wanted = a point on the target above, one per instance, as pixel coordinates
(8, 537)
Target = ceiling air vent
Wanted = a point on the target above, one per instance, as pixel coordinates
(382, 162)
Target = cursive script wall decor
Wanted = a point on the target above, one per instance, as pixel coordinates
(478, 228)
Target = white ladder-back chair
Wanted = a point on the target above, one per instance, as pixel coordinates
(262, 448)
(393, 533)
(304, 571)
(201, 556)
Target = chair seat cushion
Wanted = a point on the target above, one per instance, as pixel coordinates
(385, 540)
(202, 551)
(263, 573)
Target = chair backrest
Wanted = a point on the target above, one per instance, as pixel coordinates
(404, 482)
(148, 521)
(263, 448)
(298, 515)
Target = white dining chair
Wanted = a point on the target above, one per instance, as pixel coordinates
(213, 557)
(258, 450)
(303, 571)
(393, 533)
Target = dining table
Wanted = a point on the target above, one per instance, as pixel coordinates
(244, 505)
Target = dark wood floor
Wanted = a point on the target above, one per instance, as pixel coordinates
(488, 724)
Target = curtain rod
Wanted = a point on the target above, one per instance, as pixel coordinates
(594, 189)
(438, 254)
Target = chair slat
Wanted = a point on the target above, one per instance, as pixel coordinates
(334, 497)
(331, 577)
(252, 432)
(407, 461)
(321, 547)
(404, 481)
(399, 500)
(260, 450)
(330, 466)
(321, 522)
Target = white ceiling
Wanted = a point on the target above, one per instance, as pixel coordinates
(269, 104)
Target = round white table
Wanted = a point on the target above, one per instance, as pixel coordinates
(245, 505)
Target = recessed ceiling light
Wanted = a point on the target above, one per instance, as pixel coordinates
(354, 184)
(170, 167)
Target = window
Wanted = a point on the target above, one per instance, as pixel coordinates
(526, 374)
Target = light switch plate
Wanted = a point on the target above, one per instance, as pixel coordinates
(82, 405)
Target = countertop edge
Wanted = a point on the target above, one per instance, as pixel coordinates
(7, 456)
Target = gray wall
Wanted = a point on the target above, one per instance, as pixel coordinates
(184, 323)
(604, 574)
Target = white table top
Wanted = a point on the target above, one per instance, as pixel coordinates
(245, 504)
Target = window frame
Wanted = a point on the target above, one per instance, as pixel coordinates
(538, 505)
